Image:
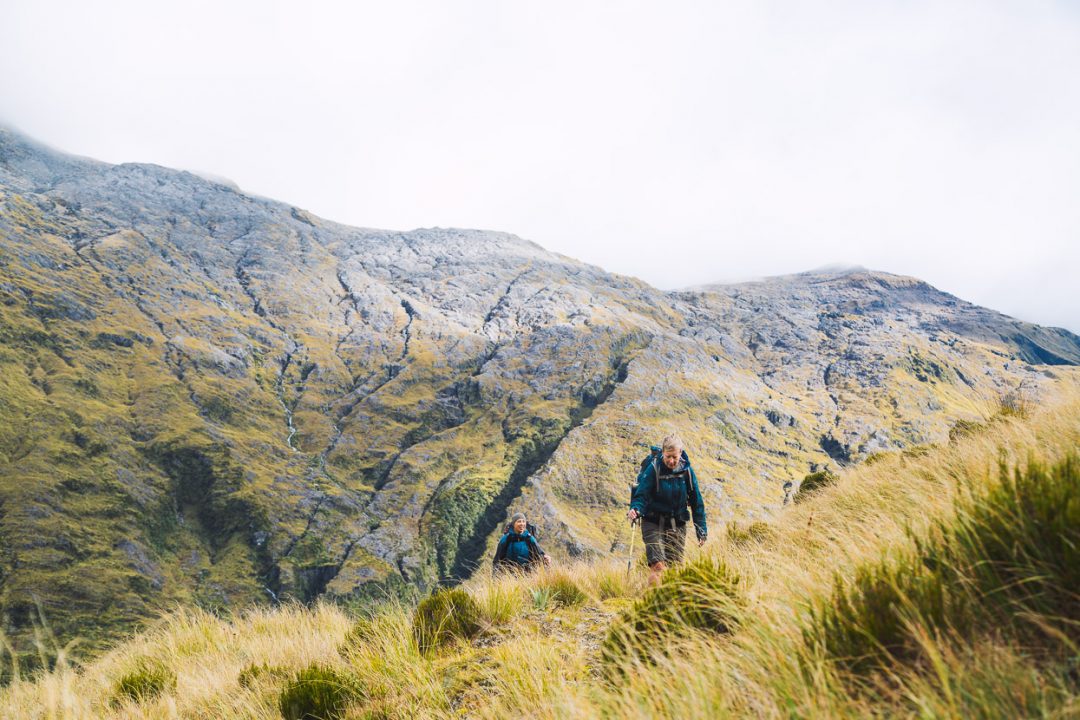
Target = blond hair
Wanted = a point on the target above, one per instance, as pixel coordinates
(673, 442)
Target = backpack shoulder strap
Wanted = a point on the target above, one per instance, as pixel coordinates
(534, 548)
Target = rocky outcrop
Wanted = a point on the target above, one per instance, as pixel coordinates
(218, 399)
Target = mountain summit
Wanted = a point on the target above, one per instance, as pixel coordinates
(218, 399)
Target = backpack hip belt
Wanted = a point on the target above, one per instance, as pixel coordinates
(662, 520)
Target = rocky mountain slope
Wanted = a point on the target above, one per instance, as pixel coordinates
(213, 398)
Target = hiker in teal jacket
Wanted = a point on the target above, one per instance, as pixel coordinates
(518, 549)
(666, 493)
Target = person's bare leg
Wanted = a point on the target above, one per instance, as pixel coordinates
(655, 571)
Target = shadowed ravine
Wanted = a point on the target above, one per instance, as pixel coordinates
(471, 553)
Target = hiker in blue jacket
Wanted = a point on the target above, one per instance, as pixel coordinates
(666, 493)
(518, 549)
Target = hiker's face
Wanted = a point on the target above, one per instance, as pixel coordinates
(519, 526)
(671, 457)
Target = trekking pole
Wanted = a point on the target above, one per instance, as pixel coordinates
(630, 557)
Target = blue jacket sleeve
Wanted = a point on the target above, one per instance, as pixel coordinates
(644, 491)
(697, 507)
(500, 551)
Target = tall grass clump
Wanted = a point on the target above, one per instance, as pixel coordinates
(703, 595)
(1007, 564)
(746, 534)
(362, 630)
(318, 692)
(813, 483)
(867, 623)
(560, 589)
(1021, 548)
(253, 674)
(614, 581)
(148, 679)
(1015, 403)
(445, 615)
(963, 429)
(387, 662)
(500, 601)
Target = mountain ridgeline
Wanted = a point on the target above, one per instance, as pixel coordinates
(216, 399)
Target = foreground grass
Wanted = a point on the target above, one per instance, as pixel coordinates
(935, 584)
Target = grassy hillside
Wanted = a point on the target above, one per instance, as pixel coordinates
(940, 582)
(213, 400)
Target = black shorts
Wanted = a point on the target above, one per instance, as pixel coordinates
(663, 545)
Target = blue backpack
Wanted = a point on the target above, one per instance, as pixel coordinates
(655, 451)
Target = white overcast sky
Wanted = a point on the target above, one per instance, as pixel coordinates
(680, 142)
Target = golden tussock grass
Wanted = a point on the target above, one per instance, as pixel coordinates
(538, 657)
